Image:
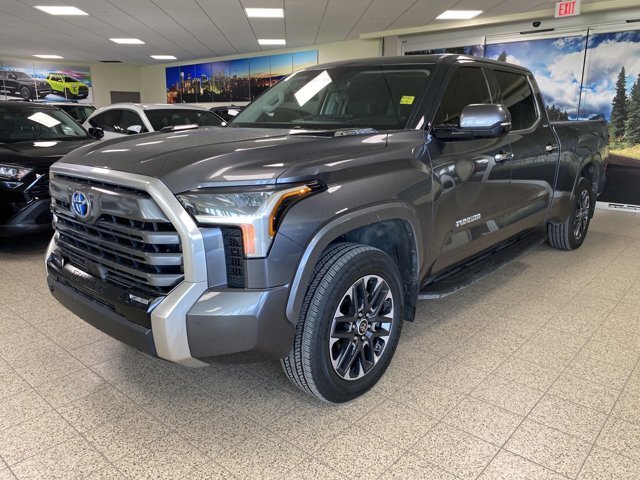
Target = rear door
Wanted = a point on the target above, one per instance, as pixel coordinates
(532, 170)
(470, 198)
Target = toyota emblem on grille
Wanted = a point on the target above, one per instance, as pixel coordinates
(80, 205)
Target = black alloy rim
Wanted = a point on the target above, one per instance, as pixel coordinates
(581, 219)
(361, 327)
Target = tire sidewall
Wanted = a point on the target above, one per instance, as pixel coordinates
(583, 184)
(330, 385)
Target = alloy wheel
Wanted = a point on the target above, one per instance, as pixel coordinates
(361, 327)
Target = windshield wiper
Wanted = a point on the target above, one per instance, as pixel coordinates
(336, 132)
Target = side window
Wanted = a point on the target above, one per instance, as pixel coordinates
(109, 121)
(518, 98)
(466, 86)
(129, 117)
(96, 121)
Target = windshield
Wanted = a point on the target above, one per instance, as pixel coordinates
(25, 124)
(380, 97)
(172, 116)
(79, 112)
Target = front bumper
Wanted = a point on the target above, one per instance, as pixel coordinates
(247, 324)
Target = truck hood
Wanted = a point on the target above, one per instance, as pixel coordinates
(190, 159)
(38, 154)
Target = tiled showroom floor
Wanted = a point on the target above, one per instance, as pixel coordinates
(530, 373)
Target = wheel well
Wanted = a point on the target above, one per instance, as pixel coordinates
(395, 238)
(590, 172)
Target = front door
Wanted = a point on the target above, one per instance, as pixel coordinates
(469, 183)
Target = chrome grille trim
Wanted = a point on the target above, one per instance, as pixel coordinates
(168, 319)
(116, 241)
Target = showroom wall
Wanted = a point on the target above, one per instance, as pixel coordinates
(153, 79)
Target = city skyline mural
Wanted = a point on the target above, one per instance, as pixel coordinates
(238, 80)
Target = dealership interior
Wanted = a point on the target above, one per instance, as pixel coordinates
(189, 319)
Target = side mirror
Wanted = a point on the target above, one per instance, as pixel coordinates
(485, 120)
(134, 129)
(482, 120)
(96, 132)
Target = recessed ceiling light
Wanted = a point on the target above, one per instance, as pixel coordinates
(127, 41)
(272, 41)
(48, 56)
(61, 10)
(265, 12)
(458, 14)
(163, 57)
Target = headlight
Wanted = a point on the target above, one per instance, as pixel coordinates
(257, 212)
(13, 173)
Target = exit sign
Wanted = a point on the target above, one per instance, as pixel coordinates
(568, 8)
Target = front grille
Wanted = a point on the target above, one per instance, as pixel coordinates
(120, 247)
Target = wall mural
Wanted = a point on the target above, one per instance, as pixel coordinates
(232, 81)
(590, 76)
(45, 82)
(557, 65)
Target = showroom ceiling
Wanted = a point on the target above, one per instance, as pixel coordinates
(191, 29)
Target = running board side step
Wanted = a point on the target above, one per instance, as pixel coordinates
(482, 265)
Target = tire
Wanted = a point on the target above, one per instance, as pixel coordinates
(344, 343)
(571, 234)
(25, 92)
(68, 94)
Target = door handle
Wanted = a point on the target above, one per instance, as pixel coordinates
(551, 148)
(502, 155)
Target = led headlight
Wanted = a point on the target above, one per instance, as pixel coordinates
(13, 173)
(257, 212)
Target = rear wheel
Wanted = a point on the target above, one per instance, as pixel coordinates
(571, 234)
(349, 325)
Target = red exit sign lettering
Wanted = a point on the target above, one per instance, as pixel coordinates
(568, 8)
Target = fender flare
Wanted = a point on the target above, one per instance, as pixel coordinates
(340, 226)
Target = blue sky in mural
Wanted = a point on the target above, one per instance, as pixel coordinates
(607, 54)
(556, 64)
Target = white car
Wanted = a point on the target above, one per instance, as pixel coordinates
(121, 119)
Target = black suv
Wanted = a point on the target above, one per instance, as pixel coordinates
(20, 84)
(32, 137)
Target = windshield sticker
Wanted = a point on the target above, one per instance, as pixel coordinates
(407, 100)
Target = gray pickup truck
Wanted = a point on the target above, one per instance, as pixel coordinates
(308, 229)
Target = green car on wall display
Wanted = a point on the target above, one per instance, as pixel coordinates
(67, 86)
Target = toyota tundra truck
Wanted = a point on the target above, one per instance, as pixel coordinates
(308, 229)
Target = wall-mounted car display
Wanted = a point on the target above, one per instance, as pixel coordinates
(21, 84)
(67, 86)
(122, 119)
(307, 229)
(32, 137)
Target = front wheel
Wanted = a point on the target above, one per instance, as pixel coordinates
(349, 325)
(25, 92)
(571, 234)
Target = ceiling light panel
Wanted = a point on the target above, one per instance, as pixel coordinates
(127, 41)
(458, 14)
(272, 41)
(264, 12)
(60, 10)
(163, 57)
(48, 56)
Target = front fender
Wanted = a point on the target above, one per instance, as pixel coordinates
(338, 227)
